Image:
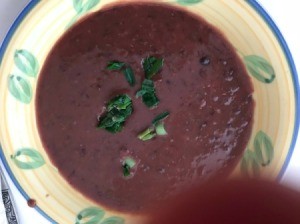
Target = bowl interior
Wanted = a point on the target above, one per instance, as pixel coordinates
(37, 32)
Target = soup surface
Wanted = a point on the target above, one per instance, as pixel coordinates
(202, 84)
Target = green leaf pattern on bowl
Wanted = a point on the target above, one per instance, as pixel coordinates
(82, 7)
(27, 159)
(264, 149)
(20, 88)
(249, 162)
(26, 62)
(260, 68)
(262, 155)
(189, 2)
(113, 220)
(94, 215)
(18, 84)
(91, 215)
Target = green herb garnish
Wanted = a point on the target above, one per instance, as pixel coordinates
(126, 69)
(157, 128)
(147, 134)
(128, 73)
(127, 166)
(120, 102)
(115, 65)
(126, 170)
(152, 65)
(148, 94)
(160, 117)
(118, 110)
(160, 129)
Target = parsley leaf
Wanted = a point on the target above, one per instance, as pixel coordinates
(118, 110)
(152, 65)
(115, 65)
(126, 69)
(120, 102)
(160, 117)
(128, 73)
(148, 94)
(126, 170)
(128, 164)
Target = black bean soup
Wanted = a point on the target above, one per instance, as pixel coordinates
(138, 101)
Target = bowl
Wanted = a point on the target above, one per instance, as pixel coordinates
(246, 25)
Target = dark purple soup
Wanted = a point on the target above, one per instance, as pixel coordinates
(202, 84)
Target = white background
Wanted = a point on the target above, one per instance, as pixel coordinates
(284, 13)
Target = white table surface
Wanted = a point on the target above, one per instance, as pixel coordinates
(285, 14)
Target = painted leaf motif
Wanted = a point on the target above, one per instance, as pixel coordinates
(188, 2)
(264, 149)
(26, 62)
(28, 159)
(89, 4)
(20, 88)
(92, 215)
(82, 6)
(77, 4)
(113, 220)
(255, 167)
(260, 68)
(249, 163)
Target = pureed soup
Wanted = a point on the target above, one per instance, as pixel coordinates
(138, 102)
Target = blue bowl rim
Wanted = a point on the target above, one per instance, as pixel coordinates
(254, 4)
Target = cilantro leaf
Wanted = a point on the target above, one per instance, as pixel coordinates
(128, 164)
(126, 69)
(148, 94)
(118, 110)
(160, 117)
(126, 170)
(129, 75)
(152, 66)
(120, 102)
(115, 65)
